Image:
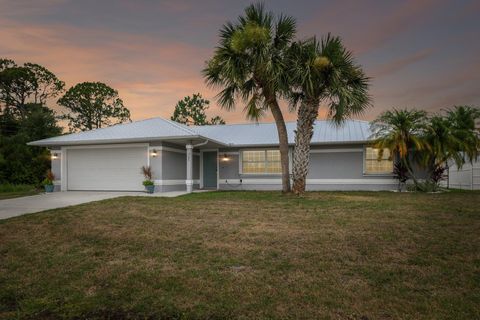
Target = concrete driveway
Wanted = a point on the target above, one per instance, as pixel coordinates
(45, 201)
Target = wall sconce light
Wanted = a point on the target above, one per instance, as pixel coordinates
(154, 153)
(225, 157)
(54, 156)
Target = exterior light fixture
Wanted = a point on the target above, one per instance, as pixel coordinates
(225, 157)
(54, 156)
(154, 153)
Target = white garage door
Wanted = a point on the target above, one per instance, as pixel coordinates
(112, 169)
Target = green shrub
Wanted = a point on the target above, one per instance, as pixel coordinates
(8, 187)
(20, 163)
(426, 186)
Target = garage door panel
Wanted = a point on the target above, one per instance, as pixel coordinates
(116, 169)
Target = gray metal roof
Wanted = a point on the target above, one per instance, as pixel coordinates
(266, 133)
(250, 134)
(144, 130)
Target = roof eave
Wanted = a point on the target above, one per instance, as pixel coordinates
(293, 144)
(46, 143)
(341, 142)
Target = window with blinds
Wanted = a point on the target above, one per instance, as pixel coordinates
(378, 165)
(261, 161)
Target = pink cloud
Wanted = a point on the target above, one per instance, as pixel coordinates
(398, 64)
(147, 72)
(150, 74)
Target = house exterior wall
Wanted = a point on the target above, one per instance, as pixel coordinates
(56, 165)
(155, 163)
(332, 167)
(174, 169)
(169, 167)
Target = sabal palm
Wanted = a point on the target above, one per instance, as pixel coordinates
(249, 64)
(401, 131)
(322, 72)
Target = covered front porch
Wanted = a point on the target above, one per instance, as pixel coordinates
(185, 165)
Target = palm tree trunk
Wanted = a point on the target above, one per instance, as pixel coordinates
(283, 143)
(307, 113)
(411, 173)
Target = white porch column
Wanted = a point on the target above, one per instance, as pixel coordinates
(189, 181)
(63, 169)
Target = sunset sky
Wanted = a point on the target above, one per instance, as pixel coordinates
(423, 54)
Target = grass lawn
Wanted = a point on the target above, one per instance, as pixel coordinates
(247, 255)
(8, 191)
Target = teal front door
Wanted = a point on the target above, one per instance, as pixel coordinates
(210, 169)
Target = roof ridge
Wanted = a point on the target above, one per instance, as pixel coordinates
(111, 126)
(180, 126)
(233, 124)
(88, 131)
(272, 122)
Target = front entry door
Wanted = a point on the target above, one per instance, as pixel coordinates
(210, 170)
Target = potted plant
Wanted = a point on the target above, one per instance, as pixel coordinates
(148, 182)
(48, 182)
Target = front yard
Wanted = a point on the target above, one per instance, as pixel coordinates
(355, 255)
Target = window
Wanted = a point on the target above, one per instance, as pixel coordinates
(374, 165)
(261, 161)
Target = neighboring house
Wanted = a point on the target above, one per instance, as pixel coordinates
(225, 157)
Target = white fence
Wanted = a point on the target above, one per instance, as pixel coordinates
(468, 177)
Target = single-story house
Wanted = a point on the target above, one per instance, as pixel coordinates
(223, 157)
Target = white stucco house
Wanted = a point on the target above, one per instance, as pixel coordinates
(235, 157)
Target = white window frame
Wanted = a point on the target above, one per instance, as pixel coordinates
(240, 162)
(364, 160)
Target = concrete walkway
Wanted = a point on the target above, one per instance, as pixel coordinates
(46, 201)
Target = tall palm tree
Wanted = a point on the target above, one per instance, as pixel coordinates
(322, 72)
(402, 132)
(249, 64)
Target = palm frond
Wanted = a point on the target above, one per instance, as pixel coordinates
(285, 30)
(255, 108)
(226, 97)
(251, 59)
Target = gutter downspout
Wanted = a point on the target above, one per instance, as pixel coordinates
(201, 143)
